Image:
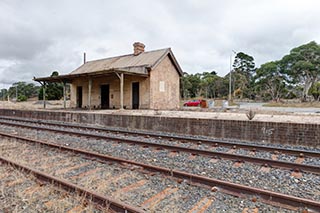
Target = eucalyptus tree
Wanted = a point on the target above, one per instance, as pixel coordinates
(243, 72)
(190, 85)
(270, 82)
(185, 85)
(209, 84)
(54, 91)
(22, 90)
(315, 91)
(302, 66)
(3, 94)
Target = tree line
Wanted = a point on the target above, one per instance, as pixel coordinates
(21, 91)
(296, 75)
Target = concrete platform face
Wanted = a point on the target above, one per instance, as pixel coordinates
(307, 134)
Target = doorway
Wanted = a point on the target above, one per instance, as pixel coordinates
(79, 97)
(104, 91)
(135, 95)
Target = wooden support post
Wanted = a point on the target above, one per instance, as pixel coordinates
(89, 93)
(121, 77)
(121, 90)
(64, 96)
(44, 95)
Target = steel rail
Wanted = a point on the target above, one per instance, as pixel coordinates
(211, 142)
(101, 200)
(241, 158)
(275, 198)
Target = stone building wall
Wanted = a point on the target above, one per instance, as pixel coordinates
(164, 86)
(114, 94)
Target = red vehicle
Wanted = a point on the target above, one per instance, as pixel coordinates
(192, 103)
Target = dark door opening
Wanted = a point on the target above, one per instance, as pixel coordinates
(135, 95)
(104, 91)
(79, 97)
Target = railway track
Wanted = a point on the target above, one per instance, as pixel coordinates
(103, 202)
(124, 181)
(77, 130)
(82, 158)
(115, 140)
(171, 137)
(22, 191)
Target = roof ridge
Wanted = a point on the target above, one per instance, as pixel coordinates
(128, 55)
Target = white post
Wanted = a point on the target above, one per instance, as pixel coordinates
(64, 95)
(230, 78)
(89, 93)
(16, 93)
(44, 95)
(121, 91)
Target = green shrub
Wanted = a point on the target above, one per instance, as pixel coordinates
(22, 98)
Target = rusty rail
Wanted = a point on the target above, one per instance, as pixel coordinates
(181, 138)
(241, 158)
(277, 199)
(101, 200)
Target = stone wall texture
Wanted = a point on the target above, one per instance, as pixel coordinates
(267, 132)
(114, 96)
(164, 86)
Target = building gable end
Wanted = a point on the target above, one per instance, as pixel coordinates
(172, 59)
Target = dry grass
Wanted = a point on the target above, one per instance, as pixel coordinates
(32, 105)
(98, 185)
(23, 191)
(250, 114)
(40, 158)
(175, 200)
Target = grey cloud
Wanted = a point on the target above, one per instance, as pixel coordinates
(21, 46)
(37, 37)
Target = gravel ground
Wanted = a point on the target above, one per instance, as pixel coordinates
(260, 154)
(194, 137)
(312, 161)
(249, 174)
(109, 183)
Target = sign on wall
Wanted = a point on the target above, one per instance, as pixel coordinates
(162, 86)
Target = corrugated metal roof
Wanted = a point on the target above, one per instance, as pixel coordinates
(129, 64)
(125, 62)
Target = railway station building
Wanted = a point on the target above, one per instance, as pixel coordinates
(140, 80)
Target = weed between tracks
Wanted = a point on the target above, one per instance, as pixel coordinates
(23, 192)
(250, 114)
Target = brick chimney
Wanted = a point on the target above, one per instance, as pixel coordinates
(138, 48)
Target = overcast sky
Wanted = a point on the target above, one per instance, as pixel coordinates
(40, 36)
